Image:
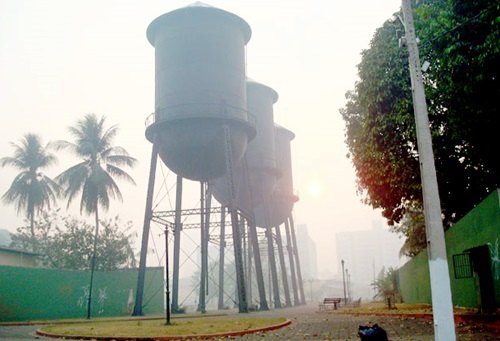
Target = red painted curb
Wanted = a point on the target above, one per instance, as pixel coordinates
(171, 337)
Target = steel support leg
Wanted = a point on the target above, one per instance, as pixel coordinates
(177, 245)
(296, 252)
(145, 233)
(289, 248)
(272, 264)
(203, 272)
(238, 257)
(284, 276)
(222, 245)
(259, 274)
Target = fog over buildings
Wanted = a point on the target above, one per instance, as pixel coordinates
(307, 253)
(365, 254)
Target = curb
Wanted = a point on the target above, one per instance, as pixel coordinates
(170, 337)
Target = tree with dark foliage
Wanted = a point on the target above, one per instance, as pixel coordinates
(460, 40)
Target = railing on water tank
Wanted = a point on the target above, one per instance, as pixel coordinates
(219, 110)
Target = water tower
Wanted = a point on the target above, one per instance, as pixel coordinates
(201, 126)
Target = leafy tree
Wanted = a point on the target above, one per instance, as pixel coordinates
(38, 236)
(31, 190)
(93, 176)
(412, 226)
(113, 249)
(67, 243)
(460, 40)
(385, 282)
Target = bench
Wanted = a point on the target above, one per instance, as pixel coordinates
(329, 303)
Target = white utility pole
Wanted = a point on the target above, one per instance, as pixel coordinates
(442, 306)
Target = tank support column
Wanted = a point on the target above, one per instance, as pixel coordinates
(281, 256)
(289, 249)
(272, 265)
(208, 209)
(252, 229)
(145, 232)
(203, 251)
(296, 252)
(238, 257)
(222, 245)
(248, 259)
(177, 245)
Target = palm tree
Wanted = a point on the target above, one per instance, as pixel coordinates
(93, 176)
(31, 190)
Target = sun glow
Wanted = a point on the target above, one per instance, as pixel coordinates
(314, 188)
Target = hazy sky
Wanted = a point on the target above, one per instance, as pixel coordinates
(62, 59)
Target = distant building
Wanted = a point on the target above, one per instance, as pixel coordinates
(307, 253)
(365, 254)
(13, 257)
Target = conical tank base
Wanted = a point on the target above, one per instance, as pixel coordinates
(195, 148)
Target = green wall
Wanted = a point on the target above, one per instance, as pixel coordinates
(481, 226)
(414, 280)
(38, 294)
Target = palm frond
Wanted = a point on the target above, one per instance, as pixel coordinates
(61, 144)
(88, 202)
(108, 188)
(73, 179)
(30, 194)
(18, 192)
(11, 161)
(120, 159)
(119, 173)
(109, 135)
(51, 185)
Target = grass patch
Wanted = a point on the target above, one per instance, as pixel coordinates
(400, 309)
(152, 328)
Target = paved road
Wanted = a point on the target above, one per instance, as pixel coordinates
(18, 333)
(308, 324)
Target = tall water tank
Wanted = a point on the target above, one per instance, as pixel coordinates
(199, 88)
(256, 176)
(280, 205)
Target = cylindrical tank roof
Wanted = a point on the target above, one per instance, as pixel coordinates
(192, 11)
(282, 130)
(251, 82)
